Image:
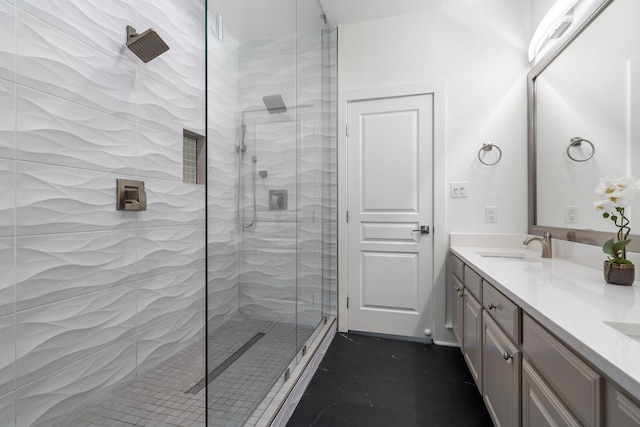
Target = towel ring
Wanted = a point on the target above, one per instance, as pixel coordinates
(489, 147)
(577, 141)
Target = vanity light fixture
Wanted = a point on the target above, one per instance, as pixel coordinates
(561, 26)
(553, 25)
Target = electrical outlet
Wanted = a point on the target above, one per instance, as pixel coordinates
(571, 214)
(491, 214)
(458, 189)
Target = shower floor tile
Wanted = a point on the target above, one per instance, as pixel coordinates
(160, 396)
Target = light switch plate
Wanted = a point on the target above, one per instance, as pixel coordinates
(491, 214)
(459, 189)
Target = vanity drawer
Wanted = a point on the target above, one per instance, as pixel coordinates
(473, 282)
(503, 311)
(621, 411)
(577, 385)
(457, 267)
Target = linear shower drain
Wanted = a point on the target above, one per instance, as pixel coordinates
(224, 365)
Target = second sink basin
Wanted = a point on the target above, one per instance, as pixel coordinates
(632, 330)
(507, 256)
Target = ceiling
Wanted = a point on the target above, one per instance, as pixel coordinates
(253, 19)
(340, 12)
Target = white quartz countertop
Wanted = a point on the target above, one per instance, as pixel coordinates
(572, 301)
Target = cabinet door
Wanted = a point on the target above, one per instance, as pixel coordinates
(621, 410)
(457, 307)
(540, 405)
(501, 361)
(472, 337)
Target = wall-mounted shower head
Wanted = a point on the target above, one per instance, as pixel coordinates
(274, 104)
(147, 45)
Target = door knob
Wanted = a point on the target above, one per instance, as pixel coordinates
(424, 229)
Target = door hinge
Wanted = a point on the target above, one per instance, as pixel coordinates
(347, 216)
(347, 302)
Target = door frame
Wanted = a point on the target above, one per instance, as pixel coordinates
(439, 229)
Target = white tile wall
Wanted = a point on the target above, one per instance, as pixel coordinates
(7, 356)
(48, 399)
(7, 409)
(7, 41)
(55, 335)
(285, 248)
(85, 284)
(7, 116)
(58, 132)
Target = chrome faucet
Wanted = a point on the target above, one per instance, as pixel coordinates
(545, 241)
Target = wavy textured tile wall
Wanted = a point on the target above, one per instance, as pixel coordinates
(87, 112)
(56, 335)
(48, 399)
(58, 132)
(54, 62)
(8, 276)
(7, 41)
(60, 266)
(7, 204)
(7, 356)
(169, 337)
(7, 118)
(162, 297)
(7, 409)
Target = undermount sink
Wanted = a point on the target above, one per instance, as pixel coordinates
(508, 256)
(632, 330)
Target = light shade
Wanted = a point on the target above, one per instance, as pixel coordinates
(553, 22)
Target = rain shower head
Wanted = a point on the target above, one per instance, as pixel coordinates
(147, 45)
(274, 104)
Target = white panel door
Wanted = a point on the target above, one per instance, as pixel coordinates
(390, 194)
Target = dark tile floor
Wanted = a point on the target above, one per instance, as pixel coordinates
(367, 381)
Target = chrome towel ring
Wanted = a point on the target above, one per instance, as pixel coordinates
(577, 141)
(489, 147)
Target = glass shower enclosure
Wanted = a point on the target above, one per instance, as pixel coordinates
(199, 309)
(270, 198)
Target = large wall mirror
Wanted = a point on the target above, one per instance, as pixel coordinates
(584, 123)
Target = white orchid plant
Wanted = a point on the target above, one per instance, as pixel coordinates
(616, 194)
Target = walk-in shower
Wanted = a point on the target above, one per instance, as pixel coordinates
(274, 104)
(173, 316)
(241, 149)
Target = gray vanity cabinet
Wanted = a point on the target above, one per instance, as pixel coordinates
(526, 375)
(621, 410)
(501, 360)
(472, 331)
(540, 405)
(569, 379)
(457, 295)
(472, 324)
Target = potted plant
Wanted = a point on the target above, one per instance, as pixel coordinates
(615, 195)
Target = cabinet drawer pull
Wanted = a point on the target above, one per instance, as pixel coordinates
(492, 306)
(508, 357)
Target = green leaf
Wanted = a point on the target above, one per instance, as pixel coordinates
(618, 246)
(613, 248)
(622, 261)
(607, 248)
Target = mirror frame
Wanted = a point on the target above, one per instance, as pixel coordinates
(586, 236)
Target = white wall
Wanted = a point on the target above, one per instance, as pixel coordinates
(479, 50)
